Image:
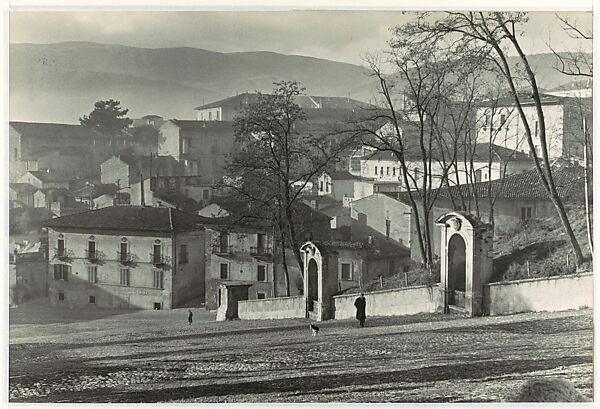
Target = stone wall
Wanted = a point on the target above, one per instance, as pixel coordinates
(272, 308)
(402, 301)
(540, 294)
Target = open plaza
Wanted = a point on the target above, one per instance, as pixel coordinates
(70, 355)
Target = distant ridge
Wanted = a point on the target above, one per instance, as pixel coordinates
(60, 82)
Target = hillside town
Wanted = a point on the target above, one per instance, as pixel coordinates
(458, 193)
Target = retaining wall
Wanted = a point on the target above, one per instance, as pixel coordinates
(401, 301)
(272, 308)
(540, 294)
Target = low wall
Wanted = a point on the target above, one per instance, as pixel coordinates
(272, 308)
(540, 294)
(401, 301)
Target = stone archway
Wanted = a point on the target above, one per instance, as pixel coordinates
(457, 270)
(466, 262)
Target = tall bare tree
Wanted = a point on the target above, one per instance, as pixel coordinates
(497, 33)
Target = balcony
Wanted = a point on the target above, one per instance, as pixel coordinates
(218, 249)
(92, 255)
(63, 254)
(158, 260)
(124, 258)
(260, 251)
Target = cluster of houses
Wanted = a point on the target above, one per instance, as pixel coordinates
(132, 222)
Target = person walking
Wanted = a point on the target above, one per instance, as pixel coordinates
(361, 305)
(190, 315)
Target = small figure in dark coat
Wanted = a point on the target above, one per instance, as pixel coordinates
(190, 315)
(361, 305)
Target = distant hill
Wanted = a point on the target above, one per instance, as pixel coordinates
(60, 82)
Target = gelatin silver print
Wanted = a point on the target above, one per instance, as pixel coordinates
(300, 206)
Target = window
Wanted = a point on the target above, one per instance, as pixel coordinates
(375, 169)
(61, 296)
(261, 239)
(92, 299)
(61, 272)
(536, 128)
(124, 254)
(209, 116)
(346, 273)
(60, 251)
(158, 279)
(124, 279)
(485, 176)
(261, 296)
(183, 254)
(205, 194)
(261, 273)
(91, 249)
(156, 254)
(381, 171)
(157, 305)
(526, 213)
(388, 171)
(478, 175)
(321, 185)
(224, 271)
(328, 187)
(388, 225)
(394, 171)
(93, 274)
(502, 119)
(218, 115)
(355, 164)
(223, 242)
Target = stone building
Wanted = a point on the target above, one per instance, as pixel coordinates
(564, 123)
(126, 257)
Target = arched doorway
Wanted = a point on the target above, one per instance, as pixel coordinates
(313, 284)
(457, 270)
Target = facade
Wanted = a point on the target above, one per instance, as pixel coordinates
(346, 187)
(241, 255)
(22, 195)
(200, 146)
(126, 257)
(28, 266)
(563, 115)
(315, 106)
(125, 170)
(385, 169)
(45, 179)
(60, 147)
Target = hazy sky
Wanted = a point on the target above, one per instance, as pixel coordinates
(337, 35)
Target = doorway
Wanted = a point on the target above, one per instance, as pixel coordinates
(457, 271)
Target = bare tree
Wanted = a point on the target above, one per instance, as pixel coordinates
(277, 158)
(497, 33)
(574, 63)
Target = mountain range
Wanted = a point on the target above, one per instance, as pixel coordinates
(60, 82)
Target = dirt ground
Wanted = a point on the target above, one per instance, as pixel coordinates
(95, 356)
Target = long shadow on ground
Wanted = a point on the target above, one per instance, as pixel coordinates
(318, 383)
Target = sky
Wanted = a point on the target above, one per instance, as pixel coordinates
(345, 36)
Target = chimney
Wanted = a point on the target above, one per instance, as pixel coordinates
(142, 190)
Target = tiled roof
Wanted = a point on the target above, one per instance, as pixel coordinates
(42, 131)
(23, 188)
(480, 151)
(345, 175)
(135, 218)
(304, 101)
(526, 99)
(62, 150)
(49, 176)
(162, 165)
(525, 185)
(192, 125)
